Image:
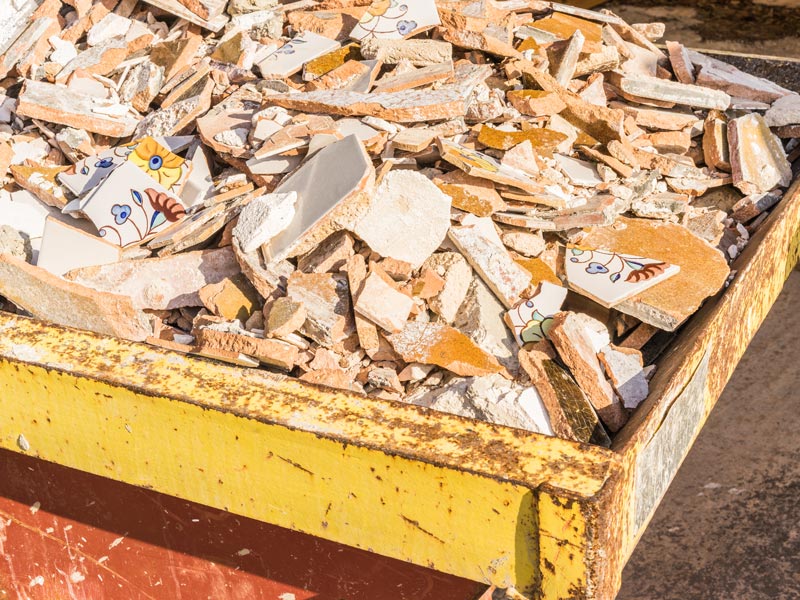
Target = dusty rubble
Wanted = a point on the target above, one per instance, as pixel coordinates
(495, 208)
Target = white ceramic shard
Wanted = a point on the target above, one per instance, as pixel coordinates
(263, 218)
(531, 317)
(129, 206)
(64, 248)
(610, 277)
(395, 19)
(321, 183)
(408, 218)
(290, 58)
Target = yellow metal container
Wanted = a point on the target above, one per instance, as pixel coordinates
(553, 518)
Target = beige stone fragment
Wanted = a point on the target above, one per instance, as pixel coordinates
(703, 269)
(681, 62)
(492, 39)
(414, 139)
(50, 298)
(673, 91)
(482, 247)
(671, 142)
(407, 219)
(715, 142)
(381, 302)
(284, 316)
(624, 369)
(442, 345)
(571, 414)
(419, 53)
(368, 336)
(58, 104)
(758, 161)
(326, 297)
(607, 59)
(536, 103)
(160, 283)
(572, 335)
(472, 194)
(522, 157)
(526, 243)
(409, 106)
(657, 119)
(232, 298)
(415, 78)
(268, 351)
(330, 256)
(142, 85)
(457, 275)
(719, 75)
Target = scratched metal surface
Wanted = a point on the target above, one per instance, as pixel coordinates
(91, 538)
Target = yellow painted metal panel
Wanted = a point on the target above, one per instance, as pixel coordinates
(460, 498)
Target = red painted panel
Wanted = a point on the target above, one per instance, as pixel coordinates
(65, 534)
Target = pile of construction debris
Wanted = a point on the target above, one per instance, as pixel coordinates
(502, 209)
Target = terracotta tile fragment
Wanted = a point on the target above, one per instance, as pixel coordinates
(441, 345)
(50, 298)
(575, 335)
(571, 414)
(231, 298)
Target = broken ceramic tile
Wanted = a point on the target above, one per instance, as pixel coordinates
(758, 161)
(408, 218)
(609, 277)
(703, 270)
(130, 207)
(478, 240)
(64, 248)
(532, 317)
(576, 338)
(328, 185)
(624, 369)
(572, 416)
(444, 346)
(160, 283)
(264, 218)
(395, 20)
(290, 58)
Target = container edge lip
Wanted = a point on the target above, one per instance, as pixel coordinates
(531, 460)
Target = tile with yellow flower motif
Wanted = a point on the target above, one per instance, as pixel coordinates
(167, 168)
(129, 206)
(396, 19)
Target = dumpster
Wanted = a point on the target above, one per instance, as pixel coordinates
(553, 518)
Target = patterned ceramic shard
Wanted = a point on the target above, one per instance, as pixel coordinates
(396, 19)
(87, 174)
(167, 168)
(290, 58)
(160, 163)
(129, 206)
(531, 318)
(610, 277)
